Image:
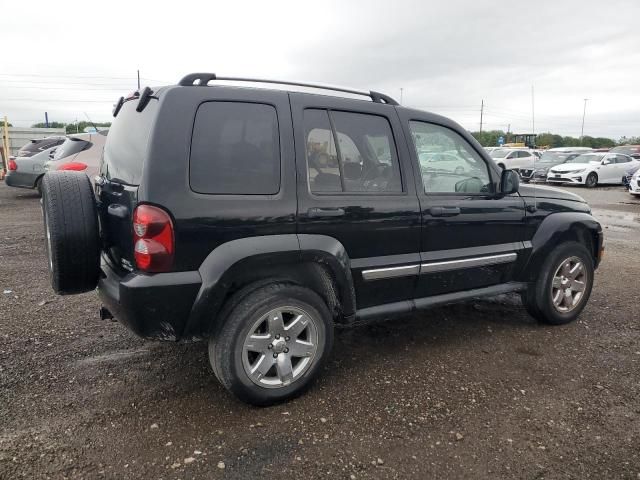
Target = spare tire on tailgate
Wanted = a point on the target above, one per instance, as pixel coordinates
(71, 229)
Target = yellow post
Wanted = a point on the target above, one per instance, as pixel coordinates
(5, 144)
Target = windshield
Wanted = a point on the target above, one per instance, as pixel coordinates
(556, 157)
(586, 158)
(71, 146)
(500, 153)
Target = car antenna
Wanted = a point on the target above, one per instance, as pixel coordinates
(91, 122)
(533, 177)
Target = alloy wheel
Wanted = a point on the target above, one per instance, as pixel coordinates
(280, 347)
(569, 284)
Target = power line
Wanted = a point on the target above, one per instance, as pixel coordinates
(54, 101)
(63, 76)
(75, 89)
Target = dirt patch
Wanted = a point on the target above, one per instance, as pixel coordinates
(468, 391)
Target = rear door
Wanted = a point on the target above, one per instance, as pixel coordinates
(609, 169)
(355, 184)
(119, 178)
(623, 163)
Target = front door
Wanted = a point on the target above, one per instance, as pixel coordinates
(355, 185)
(472, 237)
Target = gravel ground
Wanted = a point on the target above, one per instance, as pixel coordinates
(477, 390)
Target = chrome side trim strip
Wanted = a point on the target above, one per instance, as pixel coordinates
(390, 272)
(467, 263)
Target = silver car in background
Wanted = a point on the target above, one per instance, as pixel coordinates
(80, 152)
(27, 171)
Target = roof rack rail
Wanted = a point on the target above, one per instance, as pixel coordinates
(203, 79)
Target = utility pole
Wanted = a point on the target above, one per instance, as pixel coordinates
(5, 146)
(138, 79)
(481, 113)
(584, 111)
(508, 130)
(533, 114)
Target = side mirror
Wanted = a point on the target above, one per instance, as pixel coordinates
(606, 162)
(509, 182)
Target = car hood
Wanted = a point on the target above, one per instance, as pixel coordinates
(567, 167)
(548, 192)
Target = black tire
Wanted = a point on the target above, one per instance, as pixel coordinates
(591, 180)
(39, 185)
(538, 298)
(71, 232)
(226, 345)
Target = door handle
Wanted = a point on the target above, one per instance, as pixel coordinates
(444, 211)
(325, 212)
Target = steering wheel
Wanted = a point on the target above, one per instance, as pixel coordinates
(376, 177)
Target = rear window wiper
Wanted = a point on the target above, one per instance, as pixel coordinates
(144, 97)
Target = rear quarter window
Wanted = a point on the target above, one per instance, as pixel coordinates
(71, 146)
(235, 149)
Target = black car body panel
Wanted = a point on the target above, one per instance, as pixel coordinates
(368, 253)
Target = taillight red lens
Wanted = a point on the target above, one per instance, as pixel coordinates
(77, 166)
(152, 239)
(13, 166)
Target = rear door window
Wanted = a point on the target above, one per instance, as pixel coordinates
(235, 149)
(364, 160)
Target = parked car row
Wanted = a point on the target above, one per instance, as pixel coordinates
(79, 152)
(573, 165)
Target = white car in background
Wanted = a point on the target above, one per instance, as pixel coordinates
(591, 169)
(634, 184)
(514, 158)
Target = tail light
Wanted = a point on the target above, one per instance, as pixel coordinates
(13, 166)
(77, 166)
(153, 239)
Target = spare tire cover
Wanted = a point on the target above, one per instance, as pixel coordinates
(71, 229)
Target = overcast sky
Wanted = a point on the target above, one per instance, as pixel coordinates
(447, 56)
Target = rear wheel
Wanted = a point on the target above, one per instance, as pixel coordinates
(71, 229)
(563, 285)
(39, 185)
(272, 344)
(592, 180)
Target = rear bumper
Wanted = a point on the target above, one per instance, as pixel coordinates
(153, 306)
(20, 180)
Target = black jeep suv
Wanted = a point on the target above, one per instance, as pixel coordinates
(259, 218)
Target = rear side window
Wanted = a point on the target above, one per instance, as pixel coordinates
(235, 149)
(36, 146)
(71, 146)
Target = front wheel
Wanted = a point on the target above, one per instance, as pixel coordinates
(563, 285)
(592, 180)
(272, 344)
